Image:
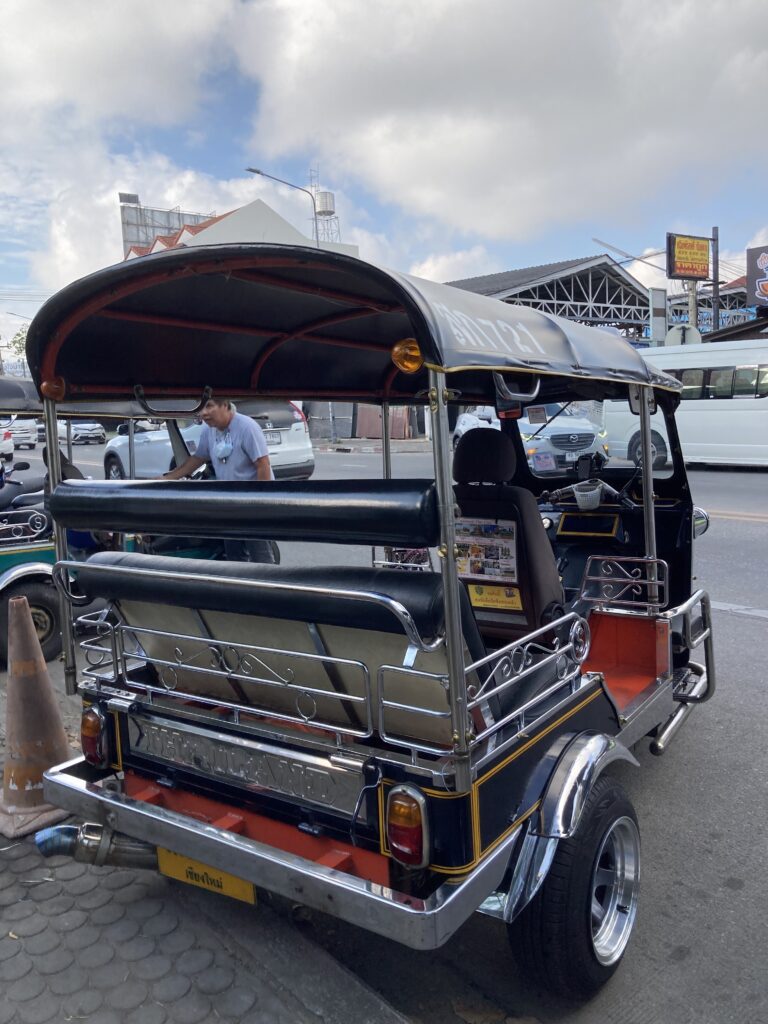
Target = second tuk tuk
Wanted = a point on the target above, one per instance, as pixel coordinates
(396, 748)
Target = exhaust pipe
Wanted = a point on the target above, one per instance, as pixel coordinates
(94, 844)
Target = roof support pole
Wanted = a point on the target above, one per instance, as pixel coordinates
(60, 542)
(649, 510)
(457, 683)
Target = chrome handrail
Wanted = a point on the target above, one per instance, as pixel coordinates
(620, 581)
(692, 640)
(398, 610)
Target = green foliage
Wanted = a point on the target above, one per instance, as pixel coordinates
(18, 342)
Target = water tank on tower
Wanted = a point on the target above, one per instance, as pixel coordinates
(326, 204)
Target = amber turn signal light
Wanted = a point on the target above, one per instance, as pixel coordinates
(407, 828)
(93, 736)
(406, 355)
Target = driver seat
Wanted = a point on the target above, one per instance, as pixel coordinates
(484, 463)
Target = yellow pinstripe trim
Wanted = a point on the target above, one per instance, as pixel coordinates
(545, 732)
(40, 545)
(477, 850)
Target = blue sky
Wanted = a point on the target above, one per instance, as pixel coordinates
(458, 139)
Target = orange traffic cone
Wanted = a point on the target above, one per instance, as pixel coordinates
(34, 732)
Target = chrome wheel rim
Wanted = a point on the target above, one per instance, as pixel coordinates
(113, 473)
(614, 890)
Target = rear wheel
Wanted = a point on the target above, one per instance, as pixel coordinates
(113, 468)
(44, 607)
(572, 935)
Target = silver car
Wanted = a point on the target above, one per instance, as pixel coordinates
(285, 430)
(553, 436)
(23, 431)
(83, 432)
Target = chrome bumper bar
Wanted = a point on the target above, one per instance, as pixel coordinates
(420, 924)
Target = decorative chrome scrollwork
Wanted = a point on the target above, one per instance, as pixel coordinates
(23, 524)
(639, 583)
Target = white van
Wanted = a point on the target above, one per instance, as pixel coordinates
(723, 414)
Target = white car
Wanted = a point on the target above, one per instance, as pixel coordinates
(83, 432)
(23, 432)
(285, 430)
(6, 444)
(553, 441)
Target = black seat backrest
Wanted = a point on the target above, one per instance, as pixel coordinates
(529, 594)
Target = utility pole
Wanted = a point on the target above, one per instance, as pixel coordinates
(715, 279)
(693, 313)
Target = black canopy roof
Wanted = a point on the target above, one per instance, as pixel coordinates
(299, 322)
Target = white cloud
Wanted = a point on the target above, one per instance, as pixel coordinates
(503, 118)
(455, 266)
(467, 123)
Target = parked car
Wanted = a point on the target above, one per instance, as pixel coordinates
(553, 441)
(6, 443)
(83, 431)
(24, 432)
(285, 429)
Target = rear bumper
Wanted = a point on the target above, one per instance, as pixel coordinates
(420, 924)
(295, 471)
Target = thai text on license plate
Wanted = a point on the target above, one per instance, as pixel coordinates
(184, 869)
(272, 436)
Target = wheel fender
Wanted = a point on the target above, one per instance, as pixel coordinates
(26, 571)
(576, 772)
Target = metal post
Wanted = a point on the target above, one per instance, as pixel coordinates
(332, 419)
(715, 279)
(386, 443)
(60, 543)
(649, 510)
(457, 683)
(131, 450)
(693, 313)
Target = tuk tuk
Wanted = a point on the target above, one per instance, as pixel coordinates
(397, 748)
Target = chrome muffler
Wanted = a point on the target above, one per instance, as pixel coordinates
(91, 843)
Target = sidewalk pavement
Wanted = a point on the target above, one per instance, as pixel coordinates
(368, 445)
(117, 946)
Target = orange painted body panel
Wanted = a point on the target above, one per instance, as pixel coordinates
(631, 651)
(330, 852)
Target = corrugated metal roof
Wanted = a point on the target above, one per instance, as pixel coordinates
(492, 284)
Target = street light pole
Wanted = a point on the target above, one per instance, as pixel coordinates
(256, 170)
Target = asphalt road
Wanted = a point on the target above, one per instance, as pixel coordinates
(698, 953)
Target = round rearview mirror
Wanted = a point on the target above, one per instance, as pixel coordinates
(20, 466)
(700, 521)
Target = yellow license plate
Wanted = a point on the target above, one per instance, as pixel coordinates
(184, 869)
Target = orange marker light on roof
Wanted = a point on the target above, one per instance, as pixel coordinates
(406, 355)
(55, 389)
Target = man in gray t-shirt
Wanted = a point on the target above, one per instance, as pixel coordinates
(237, 450)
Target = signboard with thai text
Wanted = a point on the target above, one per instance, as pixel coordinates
(688, 257)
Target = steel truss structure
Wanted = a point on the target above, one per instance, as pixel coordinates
(596, 290)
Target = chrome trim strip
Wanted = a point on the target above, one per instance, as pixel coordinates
(420, 924)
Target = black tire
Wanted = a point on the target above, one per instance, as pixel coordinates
(44, 606)
(560, 939)
(113, 468)
(660, 454)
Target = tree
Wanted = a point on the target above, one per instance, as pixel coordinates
(18, 343)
